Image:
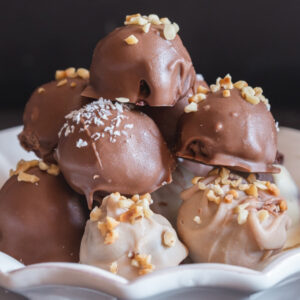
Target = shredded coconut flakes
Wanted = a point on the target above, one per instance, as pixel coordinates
(97, 113)
(81, 143)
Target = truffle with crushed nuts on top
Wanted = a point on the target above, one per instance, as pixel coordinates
(143, 62)
(229, 125)
(226, 218)
(46, 108)
(125, 237)
(41, 218)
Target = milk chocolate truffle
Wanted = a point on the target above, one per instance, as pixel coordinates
(41, 218)
(107, 147)
(143, 62)
(45, 111)
(227, 219)
(230, 125)
(166, 200)
(166, 118)
(125, 237)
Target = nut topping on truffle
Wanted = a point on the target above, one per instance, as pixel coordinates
(41, 220)
(143, 61)
(237, 221)
(141, 240)
(235, 130)
(45, 111)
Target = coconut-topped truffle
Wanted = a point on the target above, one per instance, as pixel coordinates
(41, 218)
(229, 125)
(125, 237)
(107, 147)
(143, 62)
(45, 111)
(228, 219)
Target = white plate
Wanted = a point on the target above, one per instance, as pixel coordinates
(14, 275)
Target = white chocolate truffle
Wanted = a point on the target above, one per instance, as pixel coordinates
(125, 237)
(227, 219)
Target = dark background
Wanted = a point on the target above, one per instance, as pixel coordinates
(257, 40)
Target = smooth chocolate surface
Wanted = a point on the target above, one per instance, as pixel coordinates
(107, 147)
(43, 221)
(44, 115)
(229, 132)
(166, 118)
(155, 71)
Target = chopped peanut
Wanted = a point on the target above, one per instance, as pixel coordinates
(168, 239)
(131, 40)
(60, 74)
(202, 89)
(283, 205)
(43, 166)
(53, 170)
(28, 177)
(146, 27)
(71, 72)
(62, 82)
(197, 98)
(240, 84)
(195, 180)
(251, 178)
(165, 21)
(262, 215)
(143, 262)
(212, 197)
(192, 107)
(114, 267)
(273, 189)
(95, 214)
(252, 191)
(83, 73)
(226, 93)
(228, 198)
(234, 193)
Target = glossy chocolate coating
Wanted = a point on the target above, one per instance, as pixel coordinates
(229, 132)
(155, 71)
(44, 115)
(166, 118)
(41, 222)
(105, 155)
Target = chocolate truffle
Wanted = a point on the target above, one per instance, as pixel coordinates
(227, 219)
(41, 218)
(229, 126)
(125, 237)
(166, 200)
(141, 63)
(45, 111)
(107, 147)
(166, 118)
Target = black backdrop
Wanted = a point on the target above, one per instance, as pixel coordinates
(256, 40)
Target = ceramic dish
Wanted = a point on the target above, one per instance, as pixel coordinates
(14, 275)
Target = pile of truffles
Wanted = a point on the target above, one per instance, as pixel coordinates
(109, 141)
